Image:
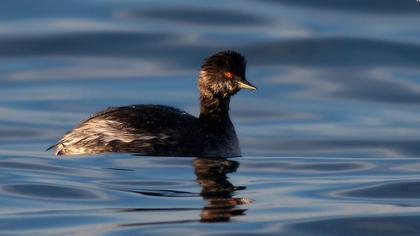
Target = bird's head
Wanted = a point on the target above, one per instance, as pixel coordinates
(223, 74)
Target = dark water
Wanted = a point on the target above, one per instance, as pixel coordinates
(330, 141)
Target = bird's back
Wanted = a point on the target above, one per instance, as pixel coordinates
(147, 129)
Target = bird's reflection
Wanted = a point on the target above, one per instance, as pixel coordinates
(217, 190)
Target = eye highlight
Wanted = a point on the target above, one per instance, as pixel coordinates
(228, 75)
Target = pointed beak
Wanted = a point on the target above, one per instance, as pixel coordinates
(244, 84)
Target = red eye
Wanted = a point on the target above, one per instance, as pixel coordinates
(228, 75)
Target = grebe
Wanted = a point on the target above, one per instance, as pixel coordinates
(166, 131)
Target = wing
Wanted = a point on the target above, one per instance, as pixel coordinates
(138, 128)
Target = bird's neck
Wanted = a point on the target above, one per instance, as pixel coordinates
(214, 107)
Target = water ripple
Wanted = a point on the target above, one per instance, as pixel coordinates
(200, 16)
(366, 6)
(17, 166)
(46, 191)
(400, 190)
(334, 51)
(307, 167)
(366, 225)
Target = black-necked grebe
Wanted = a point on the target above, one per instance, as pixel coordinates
(166, 131)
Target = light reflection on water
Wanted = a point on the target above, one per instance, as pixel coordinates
(330, 140)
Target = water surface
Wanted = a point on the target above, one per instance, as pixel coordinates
(330, 141)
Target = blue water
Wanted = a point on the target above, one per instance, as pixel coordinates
(330, 141)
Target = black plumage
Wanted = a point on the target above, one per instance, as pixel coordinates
(163, 130)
